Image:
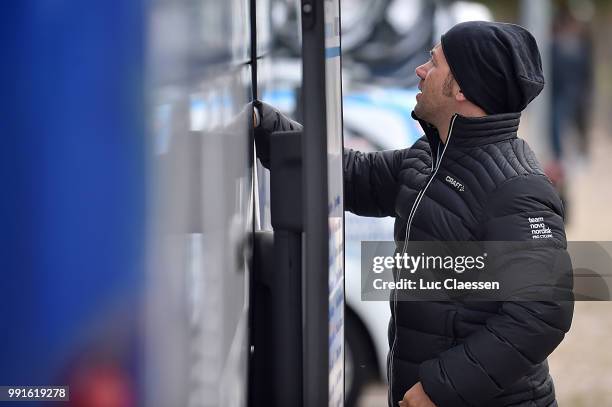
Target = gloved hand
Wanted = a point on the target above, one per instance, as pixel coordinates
(267, 120)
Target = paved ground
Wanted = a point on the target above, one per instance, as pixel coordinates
(582, 364)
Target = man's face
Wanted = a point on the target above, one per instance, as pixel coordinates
(436, 99)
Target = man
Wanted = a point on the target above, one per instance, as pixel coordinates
(454, 354)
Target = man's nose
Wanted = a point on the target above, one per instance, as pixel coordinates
(421, 72)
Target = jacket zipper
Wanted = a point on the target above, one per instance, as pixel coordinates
(408, 225)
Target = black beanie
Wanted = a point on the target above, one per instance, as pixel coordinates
(497, 65)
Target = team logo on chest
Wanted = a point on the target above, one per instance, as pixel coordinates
(455, 184)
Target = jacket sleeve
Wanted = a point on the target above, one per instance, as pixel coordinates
(532, 320)
(371, 181)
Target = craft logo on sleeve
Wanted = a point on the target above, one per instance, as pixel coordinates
(539, 229)
(456, 184)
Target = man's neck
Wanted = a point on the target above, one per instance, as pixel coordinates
(443, 129)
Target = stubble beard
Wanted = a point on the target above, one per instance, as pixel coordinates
(423, 111)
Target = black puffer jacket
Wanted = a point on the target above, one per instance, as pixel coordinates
(479, 353)
(485, 186)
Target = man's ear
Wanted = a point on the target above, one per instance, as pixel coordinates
(460, 97)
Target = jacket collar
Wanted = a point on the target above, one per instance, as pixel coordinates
(474, 131)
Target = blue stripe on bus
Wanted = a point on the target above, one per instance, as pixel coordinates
(332, 52)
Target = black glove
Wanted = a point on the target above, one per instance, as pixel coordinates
(270, 120)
